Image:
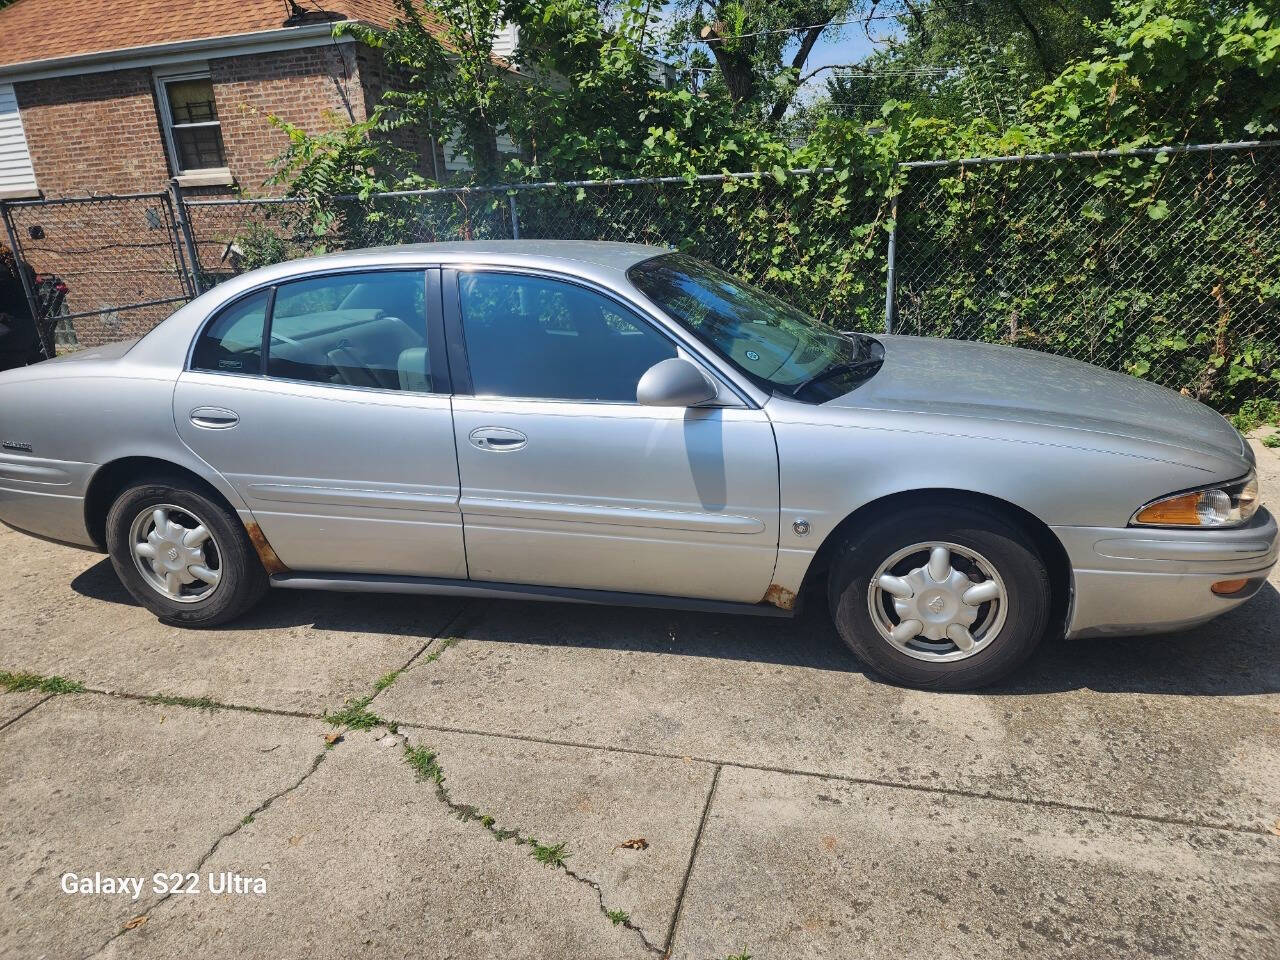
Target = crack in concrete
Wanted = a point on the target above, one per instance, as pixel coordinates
(468, 813)
(240, 825)
(714, 761)
(12, 720)
(693, 856)
(864, 781)
(442, 636)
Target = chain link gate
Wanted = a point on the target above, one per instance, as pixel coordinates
(121, 258)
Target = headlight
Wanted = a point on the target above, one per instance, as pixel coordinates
(1228, 505)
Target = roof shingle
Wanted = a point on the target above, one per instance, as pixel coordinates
(45, 29)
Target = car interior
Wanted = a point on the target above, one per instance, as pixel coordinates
(535, 337)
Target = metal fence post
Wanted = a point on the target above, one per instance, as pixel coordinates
(20, 265)
(891, 264)
(184, 229)
(515, 217)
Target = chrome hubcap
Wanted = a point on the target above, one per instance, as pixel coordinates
(937, 601)
(175, 553)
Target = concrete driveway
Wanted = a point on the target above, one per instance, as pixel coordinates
(544, 780)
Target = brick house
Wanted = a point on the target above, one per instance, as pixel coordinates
(124, 96)
(118, 96)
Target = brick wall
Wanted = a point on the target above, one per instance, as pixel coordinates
(93, 134)
(316, 88)
(100, 133)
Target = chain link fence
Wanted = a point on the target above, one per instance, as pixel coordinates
(1160, 263)
(120, 258)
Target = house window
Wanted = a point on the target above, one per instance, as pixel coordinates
(191, 123)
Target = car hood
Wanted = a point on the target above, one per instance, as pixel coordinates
(961, 378)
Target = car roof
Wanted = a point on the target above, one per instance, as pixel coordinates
(604, 254)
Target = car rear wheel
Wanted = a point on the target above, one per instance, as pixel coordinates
(182, 555)
(944, 599)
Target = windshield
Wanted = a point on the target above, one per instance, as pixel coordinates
(780, 348)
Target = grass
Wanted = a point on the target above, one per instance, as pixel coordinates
(1254, 413)
(739, 956)
(20, 682)
(424, 761)
(1271, 440)
(553, 855)
(246, 820)
(356, 715)
(445, 644)
(386, 680)
(617, 916)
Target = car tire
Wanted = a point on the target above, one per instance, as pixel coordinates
(980, 545)
(221, 551)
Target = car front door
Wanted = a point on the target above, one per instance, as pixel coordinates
(341, 442)
(567, 481)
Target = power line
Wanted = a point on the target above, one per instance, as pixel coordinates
(814, 26)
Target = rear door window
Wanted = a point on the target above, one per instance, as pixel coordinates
(353, 329)
(232, 341)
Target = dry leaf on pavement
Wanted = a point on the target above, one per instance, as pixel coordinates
(136, 922)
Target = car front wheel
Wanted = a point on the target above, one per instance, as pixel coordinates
(941, 598)
(182, 555)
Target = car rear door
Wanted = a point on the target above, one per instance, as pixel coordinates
(567, 481)
(342, 442)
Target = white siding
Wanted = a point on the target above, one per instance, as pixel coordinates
(504, 42)
(455, 158)
(16, 172)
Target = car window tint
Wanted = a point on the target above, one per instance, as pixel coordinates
(542, 338)
(232, 341)
(352, 329)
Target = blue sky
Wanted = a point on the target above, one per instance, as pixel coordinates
(838, 45)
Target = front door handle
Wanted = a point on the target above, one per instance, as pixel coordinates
(497, 439)
(214, 418)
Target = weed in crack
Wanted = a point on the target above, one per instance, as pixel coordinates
(739, 956)
(21, 682)
(387, 679)
(423, 761)
(551, 855)
(356, 715)
(434, 655)
(426, 763)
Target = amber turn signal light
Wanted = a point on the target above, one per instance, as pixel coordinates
(1225, 588)
(1175, 512)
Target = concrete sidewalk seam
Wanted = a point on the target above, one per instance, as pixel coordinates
(240, 825)
(846, 778)
(441, 636)
(693, 856)
(843, 778)
(12, 720)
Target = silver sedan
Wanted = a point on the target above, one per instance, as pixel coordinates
(610, 423)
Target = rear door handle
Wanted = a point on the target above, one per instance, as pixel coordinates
(497, 439)
(214, 418)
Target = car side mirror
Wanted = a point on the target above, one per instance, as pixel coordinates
(674, 383)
